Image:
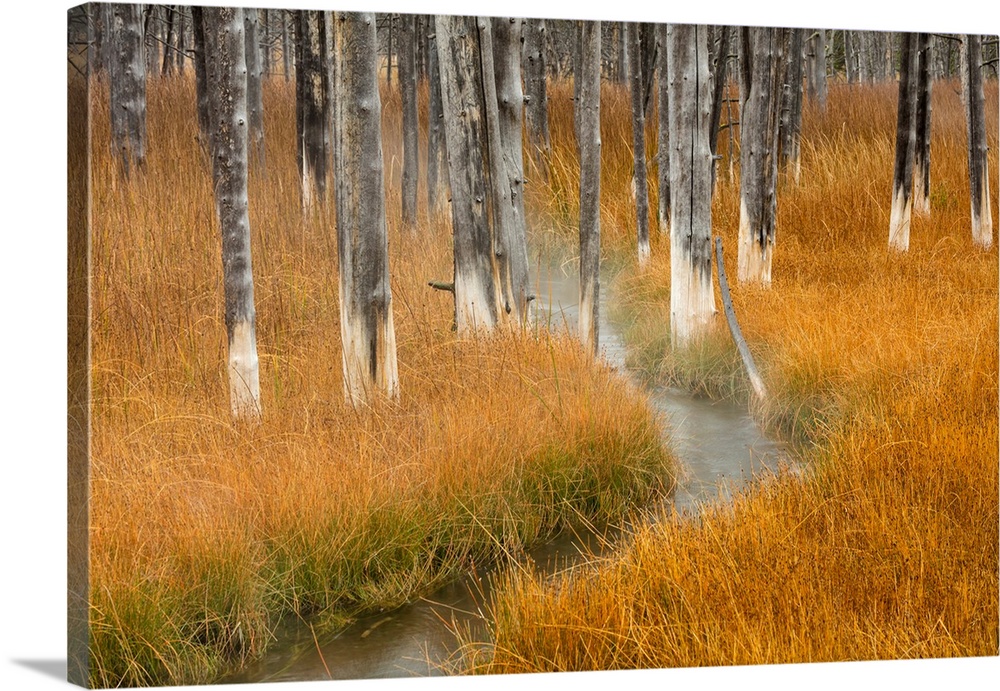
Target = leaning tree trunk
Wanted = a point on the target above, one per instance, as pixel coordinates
(367, 336)
(663, 136)
(639, 142)
(226, 68)
(127, 73)
(464, 123)
(510, 251)
(922, 152)
(692, 298)
(437, 164)
(408, 93)
(255, 101)
(975, 128)
(589, 106)
(906, 138)
(791, 114)
(759, 156)
(536, 108)
(311, 104)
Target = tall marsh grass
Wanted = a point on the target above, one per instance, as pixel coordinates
(204, 532)
(884, 367)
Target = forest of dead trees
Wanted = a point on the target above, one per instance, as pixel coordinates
(486, 80)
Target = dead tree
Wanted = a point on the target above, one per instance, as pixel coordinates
(638, 94)
(536, 108)
(906, 139)
(589, 107)
(791, 112)
(311, 105)
(922, 150)
(663, 136)
(408, 96)
(127, 73)
(255, 99)
(975, 127)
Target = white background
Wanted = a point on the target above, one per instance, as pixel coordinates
(33, 336)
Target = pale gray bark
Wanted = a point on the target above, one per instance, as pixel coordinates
(464, 123)
(507, 164)
(311, 105)
(367, 334)
(817, 68)
(791, 114)
(922, 151)
(638, 142)
(759, 155)
(537, 107)
(255, 102)
(408, 93)
(906, 139)
(127, 73)
(851, 56)
(719, 77)
(226, 73)
(286, 43)
(663, 135)
(589, 107)
(437, 163)
(975, 128)
(692, 299)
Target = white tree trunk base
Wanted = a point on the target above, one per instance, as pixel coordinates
(899, 222)
(982, 225)
(244, 377)
(753, 261)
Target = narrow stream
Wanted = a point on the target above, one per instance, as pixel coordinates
(720, 449)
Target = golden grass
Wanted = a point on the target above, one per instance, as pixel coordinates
(884, 368)
(204, 532)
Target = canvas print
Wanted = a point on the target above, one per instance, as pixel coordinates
(406, 345)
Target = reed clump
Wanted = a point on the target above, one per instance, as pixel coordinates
(203, 532)
(883, 368)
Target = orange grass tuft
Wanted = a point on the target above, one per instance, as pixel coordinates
(884, 368)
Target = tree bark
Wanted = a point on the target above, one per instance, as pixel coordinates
(922, 151)
(255, 101)
(537, 108)
(200, 73)
(311, 104)
(639, 142)
(759, 156)
(590, 184)
(507, 164)
(128, 86)
(464, 124)
(408, 93)
(226, 68)
(817, 68)
(719, 80)
(437, 163)
(663, 135)
(286, 43)
(692, 298)
(170, 47)
(975, 128)
(906, 138)
(791, 119)
(367, 335)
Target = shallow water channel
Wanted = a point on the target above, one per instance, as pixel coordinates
(720, 449)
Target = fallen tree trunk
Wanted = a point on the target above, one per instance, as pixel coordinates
(734, 328)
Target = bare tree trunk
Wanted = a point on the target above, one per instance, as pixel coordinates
(663, 135)
(719, 79)
(507, 164)
(128, 86)
(692, 298)
(537, 108)
(437, 163)
(975, 127)
(388, 69)
(851, 56)
(367, 335)
(255, 101)
(791, 120)
(462, 101)
(639, 143)
(200, 73)
(181, 42)
(759, 156)
(170, 46)
(906, 138)
(311, 104)
(817, 68)
(151, 38)
(922, 151)
(286, 43)
(226, 66)
(577, 78)
(408, 93)
(265, 43)
(589, 106)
